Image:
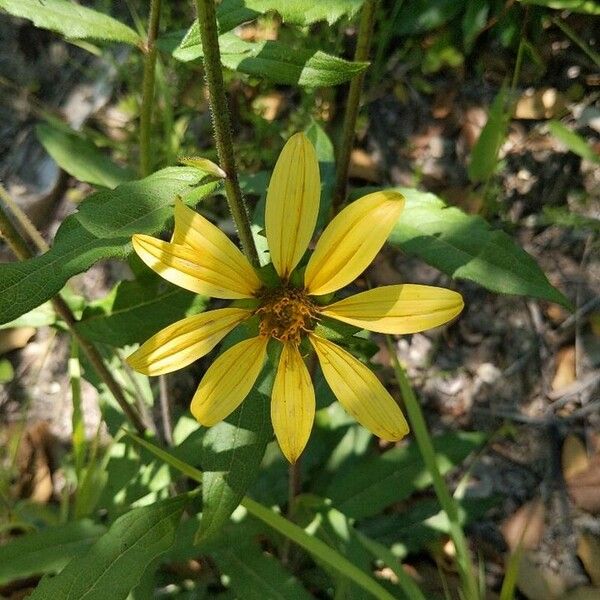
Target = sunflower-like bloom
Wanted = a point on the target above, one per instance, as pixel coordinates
(202, 259)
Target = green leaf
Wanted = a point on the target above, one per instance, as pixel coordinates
(375, 483)
(135, 310)
(80, 157)
(484, 156)
(231, 13)
(591, 7)
(473, 22)
(231, 455)
(119, 558)
(46, 551)
(422, 15)
(40, 316)
(565, 218)
(71, 20)
(255, 575)
(312, 545)
(573, 141)
(466, 247)
(101, 228)
(295, 12)
(277, 62)
(7, 372)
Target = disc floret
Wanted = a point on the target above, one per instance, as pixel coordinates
(286, 313)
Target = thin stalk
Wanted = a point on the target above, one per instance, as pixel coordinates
(363, 45)
(423, 439)
(165, 409)
(570, 33)
(148, 87)
(207, 21)
(26, 225)
(19, 246)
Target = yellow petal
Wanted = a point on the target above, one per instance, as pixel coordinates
(199, 272)
(292, 203)
(199, 234)
(351, 241)
(292, 403)
(404, 308)
(180, 344)
(229, 380)
(359, 391)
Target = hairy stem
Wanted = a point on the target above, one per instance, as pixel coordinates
(363, 45)
(148, 88)
(207, 21)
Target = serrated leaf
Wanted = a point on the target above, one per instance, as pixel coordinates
(484, 156)
(466, 247)
(101, 228)
(231, 455)
(376, 482)
(46, 551)
(573, 141)
(231, 13)
(71, 20)
(277, 62)
(136, 310)
(80, 158)
(255, 575)
(119, 558)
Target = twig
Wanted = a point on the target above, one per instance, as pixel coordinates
(207, 21)
(148, 87)
(363, 45)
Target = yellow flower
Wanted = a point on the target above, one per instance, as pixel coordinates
(202, 259)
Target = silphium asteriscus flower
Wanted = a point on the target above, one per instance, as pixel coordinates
(201, 258)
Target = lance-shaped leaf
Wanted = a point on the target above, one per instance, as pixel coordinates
(117, 561)
(71, 20)
(101, 228)
(277, 62)
(466, 247)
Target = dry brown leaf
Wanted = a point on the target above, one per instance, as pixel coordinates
(362, 166)
(545, 103)
(34, 461)
(270, 105)
(584, 487)
(574, 457)
(537, 582)
(588, 550)
(565, 368)
(525, 526)
(15, 338)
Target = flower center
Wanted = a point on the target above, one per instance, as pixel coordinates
(285, 313)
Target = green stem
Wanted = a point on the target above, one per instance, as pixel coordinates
(363, 45)
(148, 88)
(570, 33)
(19, 246)
(423, 439)
(207, 21)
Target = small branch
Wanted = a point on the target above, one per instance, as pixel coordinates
(148, 88)
(207, 21)
(22, 251)
(363, 45)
